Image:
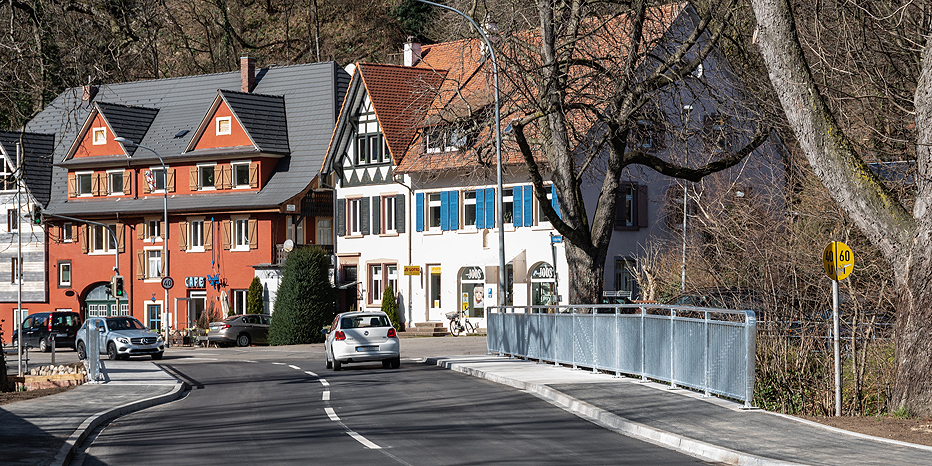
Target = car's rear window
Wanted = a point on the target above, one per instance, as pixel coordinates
(65, 320)
(364, 321)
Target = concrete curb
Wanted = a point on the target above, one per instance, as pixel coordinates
(619, 424)
(66, 454)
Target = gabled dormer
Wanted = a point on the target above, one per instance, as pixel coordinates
(378, 119)
(240, 123)
(36, 150)
(105, 123)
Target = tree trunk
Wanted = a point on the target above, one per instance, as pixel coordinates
(586, 273)
(903, 239)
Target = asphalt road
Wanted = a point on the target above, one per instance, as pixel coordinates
(280, 406)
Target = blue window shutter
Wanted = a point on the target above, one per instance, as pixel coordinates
(490, 207)
(454, 210)
(553, 202)
(480, 209)
(444, 210)
(419, 207)
(517, 217)
(529, 206)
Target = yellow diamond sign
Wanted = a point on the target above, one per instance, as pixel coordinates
(838, 260)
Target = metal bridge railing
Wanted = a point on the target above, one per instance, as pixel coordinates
(705, 349)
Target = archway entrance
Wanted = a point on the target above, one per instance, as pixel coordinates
(99, 303)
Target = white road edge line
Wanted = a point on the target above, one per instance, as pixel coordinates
(294, 367)
(366, 442)
(324, 382)
(326, 396)
(279, 363)
(331, 414)
(312, 374)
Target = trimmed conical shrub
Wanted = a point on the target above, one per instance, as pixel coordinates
(390, 306)
(305, 301)
(254, 297)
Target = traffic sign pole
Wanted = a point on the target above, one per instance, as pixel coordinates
(838, 261)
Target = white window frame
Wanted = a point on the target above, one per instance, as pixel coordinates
(375, 283)
(200, 176)
(234, 166)
(388, 215)
(221, 130)
(433, 206)
(67, 233)
(508, 206)
(192, 229)
(391, 276)
(541, 217)
(15, 272)
(467, 202)
(155, 180)
(154, 230)
(354, 216)
(110, 244)
(7, 176)
(12, 220)
(150, 257)
(289, 226)
(324, 233)
(239, 234)
(110, 175)
(90, 187)
(239, 301)
(61, 282)
(99, 135)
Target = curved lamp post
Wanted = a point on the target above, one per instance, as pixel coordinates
(127, 142)
(498, 152)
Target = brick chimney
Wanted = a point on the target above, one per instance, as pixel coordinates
(412, 52)
(247, 73)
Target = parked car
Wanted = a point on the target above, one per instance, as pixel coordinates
(361, 337)
(241, 329)
(41, 328)
(120, 338)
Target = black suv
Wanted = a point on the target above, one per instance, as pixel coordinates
(39, 328)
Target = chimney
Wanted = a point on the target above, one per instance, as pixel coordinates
(247, 73)
(412, 52)
(88, 92)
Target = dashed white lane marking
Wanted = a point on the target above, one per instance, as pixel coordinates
(331, 414)
(249, 361)
(324, 382)
(279, 364)
(294, 367)
(359, 438)
(326, 396)
(312, 374)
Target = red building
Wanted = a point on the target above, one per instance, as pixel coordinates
(235, 157)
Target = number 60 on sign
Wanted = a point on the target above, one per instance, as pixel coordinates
(838, 260)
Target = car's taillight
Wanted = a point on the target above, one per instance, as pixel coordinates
(225, 326)
(50, 323)
(339, 336)
(392, 333)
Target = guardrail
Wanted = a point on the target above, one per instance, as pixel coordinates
(710, 350)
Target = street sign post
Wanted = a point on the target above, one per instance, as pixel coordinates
(838, 261)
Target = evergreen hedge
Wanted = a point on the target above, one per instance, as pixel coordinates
(305, 301)
(390, 306)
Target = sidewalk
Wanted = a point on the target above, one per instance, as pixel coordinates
(45, 430)
(710, 428)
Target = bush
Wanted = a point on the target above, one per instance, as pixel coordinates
(5, 384)
(390, 306)
(254, 301)
(305, 302)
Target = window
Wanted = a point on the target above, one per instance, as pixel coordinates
(153, 263)
(354, 219)
(12, 220)
(375, 283)
(115, 182)
(154, 229)
(508, 208)
(205, 176)
(437, 211)
(433, 211)
(241, 174)
(472, 290)
(239, 301)
(101, 240)
(648, 135)
(64, 274)
(631, 206)
(67, 233)
(444, 139)
(370, 144)
(224, 125)
(7, 176)
(324, 231)
(697, 73)
(294, 232)
(541, 216)
(241, 233)
(543, 285)
(391, 276)
(469, 208)
(155, 177)
(196, 234)
(84, 184)
(625, 282)
(100, 136)
(14, 269)
(716, 132)
(388, 214)
(155, 315)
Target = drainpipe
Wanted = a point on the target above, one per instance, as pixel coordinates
(408, 232)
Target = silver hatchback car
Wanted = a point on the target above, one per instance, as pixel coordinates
(362, 337)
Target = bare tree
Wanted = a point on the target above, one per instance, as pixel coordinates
(903, 238)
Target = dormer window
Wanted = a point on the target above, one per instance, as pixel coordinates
(206, 176)
(84, 184)
(445, 139)
(241, 174)
(100, 136)
(224, 125)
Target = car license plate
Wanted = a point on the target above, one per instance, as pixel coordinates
(61, 335)
(366, 348)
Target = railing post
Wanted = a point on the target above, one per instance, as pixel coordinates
(672, 348)
(592, 351)
(617, 345)
(643, 346)
(708, 348)
(751, 356)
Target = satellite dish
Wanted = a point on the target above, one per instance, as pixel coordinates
(289, 245)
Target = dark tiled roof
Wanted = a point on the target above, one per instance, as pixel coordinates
(263, 118)
(129, 122)
(312, 94)
(37, 160)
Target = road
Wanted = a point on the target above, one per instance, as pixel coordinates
(280, 406)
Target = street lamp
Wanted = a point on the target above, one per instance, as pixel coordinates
(498, 152)
(127, 142)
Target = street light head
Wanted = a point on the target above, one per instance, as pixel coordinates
(124, 141)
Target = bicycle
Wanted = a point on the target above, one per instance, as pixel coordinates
(458, 326)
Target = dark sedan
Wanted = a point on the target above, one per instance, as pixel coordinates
(243, 330)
